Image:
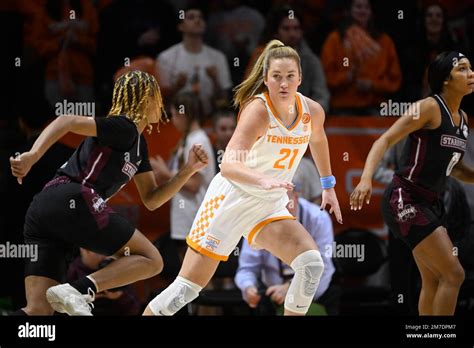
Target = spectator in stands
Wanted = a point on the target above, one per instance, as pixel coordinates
(235, 29)
(361, 63)
(186, 111)
(64, 36)
(286, 27)
(120, 301)
(224, 126)
(193, 66)
(261, 274)
(433, 38)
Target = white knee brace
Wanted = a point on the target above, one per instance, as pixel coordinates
(174, 297)
(308, 268)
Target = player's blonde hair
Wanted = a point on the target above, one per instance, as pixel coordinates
(130, 97)
(253, 84)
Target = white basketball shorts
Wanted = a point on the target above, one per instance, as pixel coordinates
(226, 214)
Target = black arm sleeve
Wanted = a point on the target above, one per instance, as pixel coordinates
(118, 132)
(145, 164)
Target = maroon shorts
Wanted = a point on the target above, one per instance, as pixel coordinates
(410, 213)
(67, 214)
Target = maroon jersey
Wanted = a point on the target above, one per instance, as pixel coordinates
(430, 154)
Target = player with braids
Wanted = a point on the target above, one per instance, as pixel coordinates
(141, 84)
(72, 208)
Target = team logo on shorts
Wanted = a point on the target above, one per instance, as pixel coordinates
(211, 243)
(98, 204)
(409, 212)
(306, 117)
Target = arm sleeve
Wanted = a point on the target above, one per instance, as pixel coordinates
(118, 132)
(145, 164)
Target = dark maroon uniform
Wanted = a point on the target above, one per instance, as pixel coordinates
(72, 208)
(412, 205)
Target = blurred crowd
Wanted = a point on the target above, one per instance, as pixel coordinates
(354, 54)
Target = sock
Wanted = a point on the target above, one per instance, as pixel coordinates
(82, 284)
(18, 313)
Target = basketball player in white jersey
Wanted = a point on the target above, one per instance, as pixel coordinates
(249, 196)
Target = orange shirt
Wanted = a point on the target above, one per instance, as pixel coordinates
(75, 59)
(381, 67)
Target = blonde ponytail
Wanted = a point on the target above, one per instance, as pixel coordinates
(253, 84)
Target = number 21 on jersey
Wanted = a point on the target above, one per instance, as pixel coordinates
(286, 154)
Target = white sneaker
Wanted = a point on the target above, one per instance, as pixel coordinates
(65, 299)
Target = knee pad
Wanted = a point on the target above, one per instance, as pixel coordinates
(174, 297)
(308, 268)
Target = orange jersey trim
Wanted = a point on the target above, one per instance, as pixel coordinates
(299, 108)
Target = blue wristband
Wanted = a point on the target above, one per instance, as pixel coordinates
(328, 182)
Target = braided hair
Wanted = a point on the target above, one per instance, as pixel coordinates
(130, 97)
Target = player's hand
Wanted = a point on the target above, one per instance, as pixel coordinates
(21, 165)
(361, 193)
(278, 292)
(330, 198)
(252, 297)
(197, 158)
(269, 183)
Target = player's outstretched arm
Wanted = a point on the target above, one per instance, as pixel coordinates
(411, 121)
(318, 144)
(154, 196)
(21, 164)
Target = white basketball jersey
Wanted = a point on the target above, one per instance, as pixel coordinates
(279, 151)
